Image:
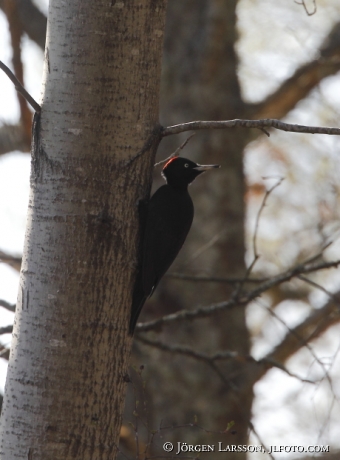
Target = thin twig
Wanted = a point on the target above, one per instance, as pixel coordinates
(257, 224)
(252, 428)
(303, 341)
(204, 248)
(334, 399)
(239, 123)
(176, 152)
(213, 279)
(20, 88)
(319, 254)
(334, 297)
(305, 7)
(219, 356)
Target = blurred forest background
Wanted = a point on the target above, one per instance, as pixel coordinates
(270, 365)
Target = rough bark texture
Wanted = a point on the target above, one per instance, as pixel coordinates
(65, 385)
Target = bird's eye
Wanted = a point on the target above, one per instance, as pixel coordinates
(186, 165)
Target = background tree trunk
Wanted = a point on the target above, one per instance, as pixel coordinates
(200, 82)
(65, 385)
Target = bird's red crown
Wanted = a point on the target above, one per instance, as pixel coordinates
(170, 161)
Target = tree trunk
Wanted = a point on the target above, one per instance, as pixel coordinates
(66, 379)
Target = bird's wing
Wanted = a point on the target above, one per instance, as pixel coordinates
(168, 223)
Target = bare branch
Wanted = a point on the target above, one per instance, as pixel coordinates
(176, 152)
(7, 305)
(295, 338)
(305, 7)
(33, 21)
(243, 299)
(204, 247)
(219, 356)
(4, 353)
(258, 124)
(20, 88)
(6, 330)
(213, 279)
(12, 261)
(210, 362)
(257, 223)
(16, 31)
(304, 342)
(302, 82)
(310, 329)
(260, 440)
(12, 137)
(335, 297)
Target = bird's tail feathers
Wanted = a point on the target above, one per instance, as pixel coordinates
(138, 300)
(135, 312)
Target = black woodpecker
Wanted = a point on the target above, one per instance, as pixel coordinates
(168, 220)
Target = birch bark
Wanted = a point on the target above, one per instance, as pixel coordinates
(65, 386)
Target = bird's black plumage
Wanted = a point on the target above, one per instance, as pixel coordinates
(169, 217)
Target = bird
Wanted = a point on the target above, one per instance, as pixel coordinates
(167, 221)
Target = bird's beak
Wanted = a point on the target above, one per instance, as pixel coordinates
(205, 167)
